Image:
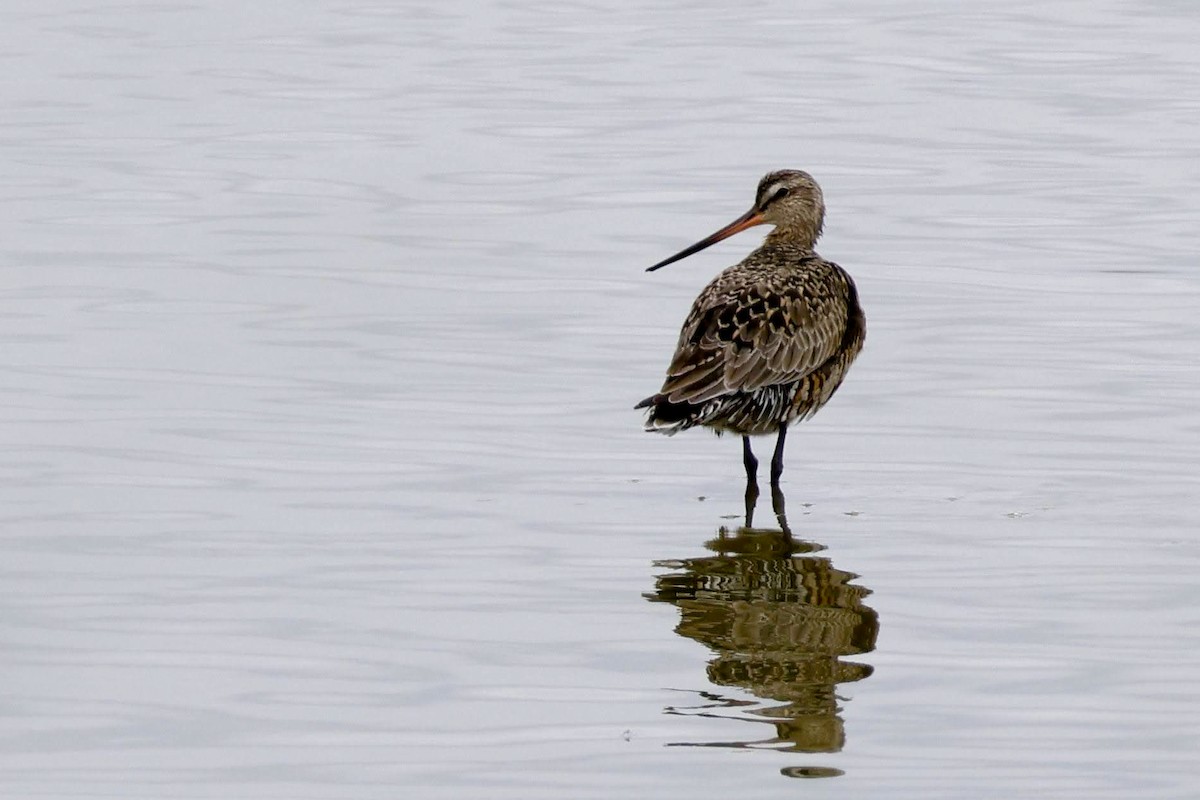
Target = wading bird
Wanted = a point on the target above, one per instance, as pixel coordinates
(769, 340)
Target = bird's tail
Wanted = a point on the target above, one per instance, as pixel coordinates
(667, 417)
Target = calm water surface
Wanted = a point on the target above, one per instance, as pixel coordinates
(321, 327)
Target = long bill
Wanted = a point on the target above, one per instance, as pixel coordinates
(748, 220)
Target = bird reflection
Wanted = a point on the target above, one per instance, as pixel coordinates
(780, 621)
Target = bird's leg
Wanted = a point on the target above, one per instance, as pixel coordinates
(778, 505)
(751, 480)
(777, 459)
(751, 500)
(750, 461)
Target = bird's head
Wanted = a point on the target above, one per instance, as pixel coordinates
(788, 199)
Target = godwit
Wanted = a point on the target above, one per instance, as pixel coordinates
(769, 340)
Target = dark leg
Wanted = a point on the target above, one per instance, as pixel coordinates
(749, 460)
(777, 459)
(751, 480)
(778, 505)
(751, 500)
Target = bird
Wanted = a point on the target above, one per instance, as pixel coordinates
(769, 340)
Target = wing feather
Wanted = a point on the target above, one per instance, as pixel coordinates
(753, 328)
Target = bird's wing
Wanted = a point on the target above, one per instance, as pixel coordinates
(742, 335)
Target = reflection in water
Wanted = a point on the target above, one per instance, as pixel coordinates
(779, 620)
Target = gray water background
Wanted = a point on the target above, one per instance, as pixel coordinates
(321, 324)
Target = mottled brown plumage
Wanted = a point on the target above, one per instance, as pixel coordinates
(769, 340)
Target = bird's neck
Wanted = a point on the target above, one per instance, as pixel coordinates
(792, 239)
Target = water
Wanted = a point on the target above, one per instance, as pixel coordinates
(322, 325)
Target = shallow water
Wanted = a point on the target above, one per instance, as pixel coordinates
(322, 325)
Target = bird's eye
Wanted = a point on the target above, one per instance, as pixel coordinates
(780, 193)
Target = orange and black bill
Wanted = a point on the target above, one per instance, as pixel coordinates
(748, 220)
